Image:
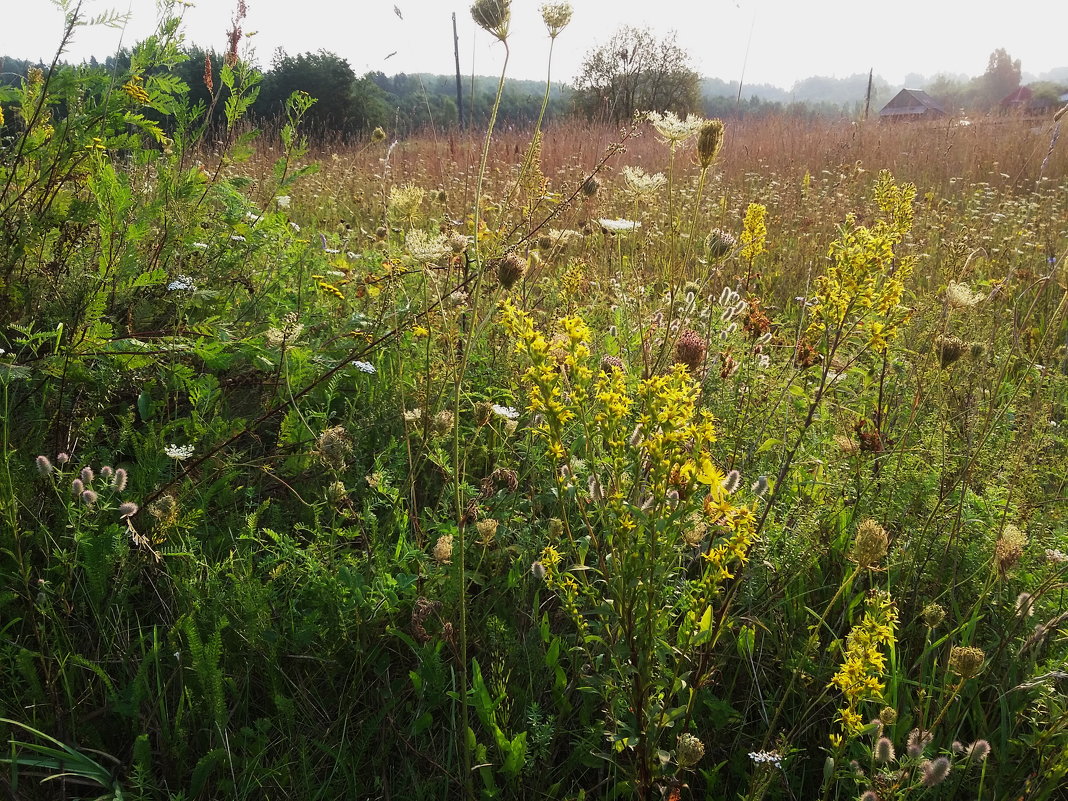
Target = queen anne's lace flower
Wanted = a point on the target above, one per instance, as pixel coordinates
(179, 452)
(424, 247)
(616, 226)
(640, 184)
(674, 129)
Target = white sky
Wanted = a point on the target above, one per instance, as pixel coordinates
(791, 39)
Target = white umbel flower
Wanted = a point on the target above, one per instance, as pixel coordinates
(674, 129)
(618, 226)
(179, 452)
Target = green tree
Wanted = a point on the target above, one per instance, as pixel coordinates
(1002, 77)
(636, 71)
(344, 104)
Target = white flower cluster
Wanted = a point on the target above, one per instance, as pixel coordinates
(769, 757)
(183, 283)
(365, 367)
(641, 185)
(673, 128)
(617, 226)
(179, 452)
(424, 247)
(507, 412)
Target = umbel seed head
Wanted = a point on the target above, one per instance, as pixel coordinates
(966, 661)
(933, 614)
(492, 16)
(510, 269)
(690, 350)
(949, 349)
(689, 750)
(870, 545)
(709, 142)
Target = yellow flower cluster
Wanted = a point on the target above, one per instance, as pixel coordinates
(543, 379)
(860, 676)
(135, 90)
(676, 437)
(754, 231)
(330, 289)
(862, 287)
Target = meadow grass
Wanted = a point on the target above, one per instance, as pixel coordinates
(740, 476)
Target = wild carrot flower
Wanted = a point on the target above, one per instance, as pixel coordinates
(178, 452)
(618, 226)
(640, 185)
(870, 544)
(424, 247)
(689, 750)
(949, 349)
(493, 16)
(442, 551)
(1009, 548)
(966, 661)
(720, 243)
(690, 350)
(960, 296)
(673, 129)
(556, 16)
(510, 268)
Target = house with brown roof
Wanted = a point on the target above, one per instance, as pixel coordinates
(912, 104)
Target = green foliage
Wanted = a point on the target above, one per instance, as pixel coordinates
(635, 71)
(401, 474)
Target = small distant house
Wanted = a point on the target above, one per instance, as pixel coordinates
(1018, 99)
(912, 104)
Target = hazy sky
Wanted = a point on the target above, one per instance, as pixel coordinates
(786, 39)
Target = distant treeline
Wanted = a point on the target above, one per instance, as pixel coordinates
(351, 105)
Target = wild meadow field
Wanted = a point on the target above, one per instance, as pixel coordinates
(680, 460)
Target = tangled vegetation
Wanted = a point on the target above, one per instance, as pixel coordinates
(676, 461)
